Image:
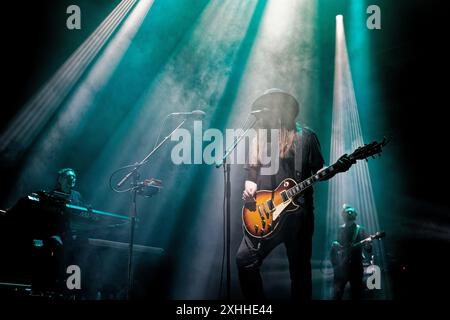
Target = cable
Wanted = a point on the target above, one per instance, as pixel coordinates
(134, 165)
(139, 164)
(114, 173)
(160, 130)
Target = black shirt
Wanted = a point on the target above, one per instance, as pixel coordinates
(347, 237)
(309, 160)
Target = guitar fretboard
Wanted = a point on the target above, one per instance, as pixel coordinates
(300, 187)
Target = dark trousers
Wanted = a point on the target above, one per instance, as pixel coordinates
(352, 274)
(47, 271)
(296, 234)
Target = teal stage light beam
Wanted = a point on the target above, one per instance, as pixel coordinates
(355, 186)
(34, 115)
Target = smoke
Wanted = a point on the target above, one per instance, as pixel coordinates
(234, 49)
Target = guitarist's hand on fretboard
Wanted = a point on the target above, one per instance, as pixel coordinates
(344, 163)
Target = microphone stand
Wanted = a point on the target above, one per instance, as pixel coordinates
(227, 184)
(133, 212)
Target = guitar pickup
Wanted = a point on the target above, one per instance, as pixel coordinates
(266, 212)
(284, 196)
(261, 214)
(270, 205)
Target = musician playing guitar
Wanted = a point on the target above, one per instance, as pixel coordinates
(299, 157)
(347, 259)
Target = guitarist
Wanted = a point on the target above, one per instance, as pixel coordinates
(299, 157)
(347, 260)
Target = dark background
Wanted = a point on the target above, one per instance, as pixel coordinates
(412, 67)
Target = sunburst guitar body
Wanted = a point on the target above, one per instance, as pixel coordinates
(262, 217)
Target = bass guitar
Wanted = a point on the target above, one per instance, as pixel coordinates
(340, 254)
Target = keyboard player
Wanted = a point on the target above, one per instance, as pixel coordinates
(65, 183)
(40, 232)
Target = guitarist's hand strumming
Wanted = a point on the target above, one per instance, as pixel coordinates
(249, 191)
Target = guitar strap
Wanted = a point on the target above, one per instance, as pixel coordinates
(355, 234)
(299, 146)
(273, 179)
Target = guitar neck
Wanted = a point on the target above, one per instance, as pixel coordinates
(359, 154)
(321, 175)
(376, 236)
(362, 242)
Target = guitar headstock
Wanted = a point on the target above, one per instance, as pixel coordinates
(368, 150)
(378, 235)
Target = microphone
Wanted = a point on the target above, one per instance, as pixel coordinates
(199, 114)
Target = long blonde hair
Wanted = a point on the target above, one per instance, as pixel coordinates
(258, 145)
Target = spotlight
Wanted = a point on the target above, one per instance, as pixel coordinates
(355, 186)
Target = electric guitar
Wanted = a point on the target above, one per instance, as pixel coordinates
(340, 254)
(264, 217)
